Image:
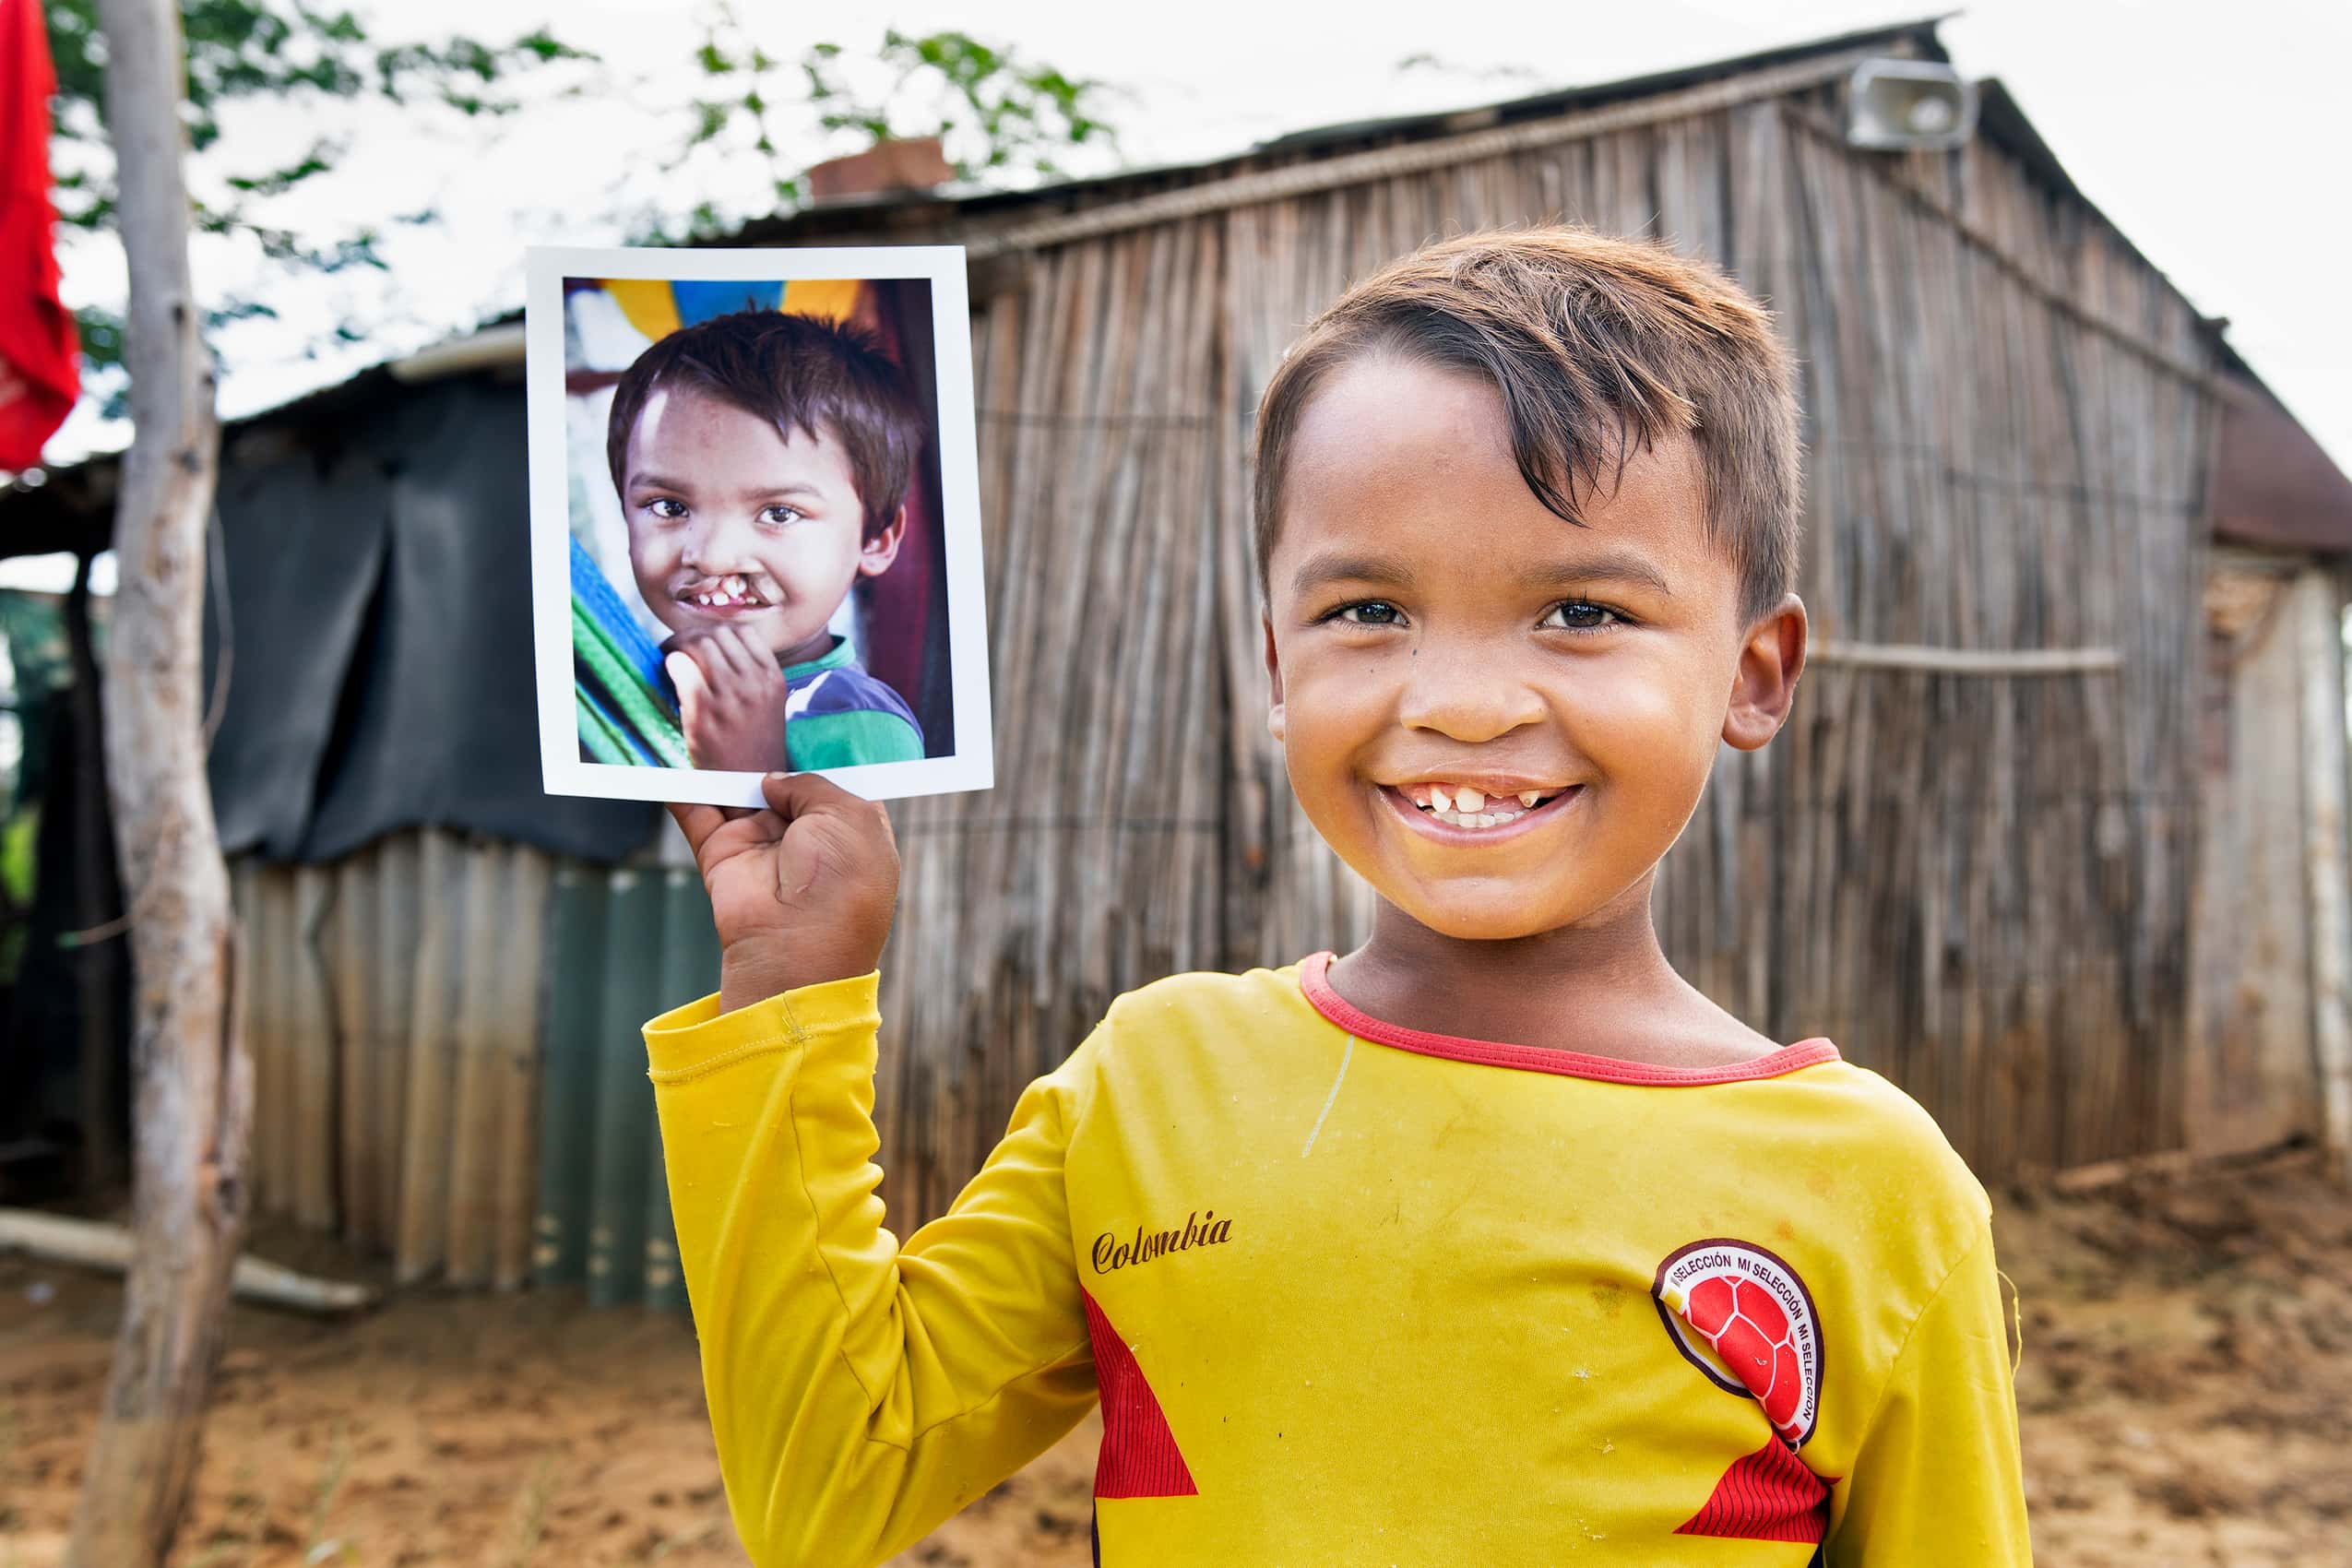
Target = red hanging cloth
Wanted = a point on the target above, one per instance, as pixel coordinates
(39, 364)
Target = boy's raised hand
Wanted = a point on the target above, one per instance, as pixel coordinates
(731, 696)
(802, 892)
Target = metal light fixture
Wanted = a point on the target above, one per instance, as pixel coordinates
(1908, 106)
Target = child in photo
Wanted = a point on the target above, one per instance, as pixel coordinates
(762, 461)
(1491, 1243)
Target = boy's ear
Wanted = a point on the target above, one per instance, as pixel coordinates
(1274, 719)
(1765, 683)
(878, 550)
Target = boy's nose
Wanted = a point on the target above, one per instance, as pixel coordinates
(1466, 694)
(716, 549)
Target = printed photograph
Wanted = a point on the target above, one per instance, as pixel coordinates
(754, 531)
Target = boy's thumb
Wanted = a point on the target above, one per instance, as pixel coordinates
(686, 675)
(792, 795)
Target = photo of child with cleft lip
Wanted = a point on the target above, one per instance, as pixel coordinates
(762, 461)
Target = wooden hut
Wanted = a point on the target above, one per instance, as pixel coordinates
(1972, 859)
(2271, 988)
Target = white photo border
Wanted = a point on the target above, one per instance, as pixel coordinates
(970, 765)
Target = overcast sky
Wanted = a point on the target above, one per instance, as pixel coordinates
(2213, 135)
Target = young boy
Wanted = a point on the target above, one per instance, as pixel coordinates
(1491, 1243)
(762, 461)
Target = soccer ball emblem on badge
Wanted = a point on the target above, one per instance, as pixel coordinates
(1742, 1316)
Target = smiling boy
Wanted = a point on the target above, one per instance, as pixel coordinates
(762, 461)
(1491, 1243)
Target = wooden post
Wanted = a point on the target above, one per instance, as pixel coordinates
(2319, 625)
(194, 1091)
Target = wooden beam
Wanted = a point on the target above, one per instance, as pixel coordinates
(1969, 660)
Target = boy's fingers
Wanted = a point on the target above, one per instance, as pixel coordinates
(758, 659)
(729, 646)
(725, 659)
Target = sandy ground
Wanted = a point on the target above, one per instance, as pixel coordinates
(2186, 1395)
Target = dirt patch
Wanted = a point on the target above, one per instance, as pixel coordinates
(2186, 1395)
(2186, 1392)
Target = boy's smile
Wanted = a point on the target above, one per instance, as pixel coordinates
(733, 522)
(1483, 808)
(1498, 718)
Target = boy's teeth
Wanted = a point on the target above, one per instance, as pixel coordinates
(1465, 805)
(1476, 819)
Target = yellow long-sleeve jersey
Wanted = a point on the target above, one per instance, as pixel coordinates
(1348, 1293)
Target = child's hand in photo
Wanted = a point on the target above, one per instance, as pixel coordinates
(730, 697)
(801, 893)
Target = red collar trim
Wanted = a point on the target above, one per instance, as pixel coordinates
(1315, 981)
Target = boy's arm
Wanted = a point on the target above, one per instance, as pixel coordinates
(860, 1392)
(1937, 1481)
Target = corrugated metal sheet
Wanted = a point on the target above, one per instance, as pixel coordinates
(447, 1063)
(394, 1020)
(639, 941)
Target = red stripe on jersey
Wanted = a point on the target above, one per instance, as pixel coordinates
(1139, 1457)
(1768, 1495)
(1314, 979)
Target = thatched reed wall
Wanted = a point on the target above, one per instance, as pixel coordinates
(1968, 870)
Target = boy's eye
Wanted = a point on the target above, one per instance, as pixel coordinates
(780, 514)
(1580, 615)
(1368, 613)
(664, 507)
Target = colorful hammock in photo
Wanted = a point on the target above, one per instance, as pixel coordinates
(626, 708)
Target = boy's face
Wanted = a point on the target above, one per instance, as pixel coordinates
(1431, 626)
(733, 522)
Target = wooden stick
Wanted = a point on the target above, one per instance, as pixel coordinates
(90, 1244)
(2079, 1178)
(1968, 661)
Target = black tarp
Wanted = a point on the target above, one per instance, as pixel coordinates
(378, 589)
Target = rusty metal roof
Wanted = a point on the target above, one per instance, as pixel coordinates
(2273, 485)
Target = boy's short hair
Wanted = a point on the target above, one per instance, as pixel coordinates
(794, 372)
(1599, 347)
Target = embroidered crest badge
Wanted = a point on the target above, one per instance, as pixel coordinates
(1742, 1316)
